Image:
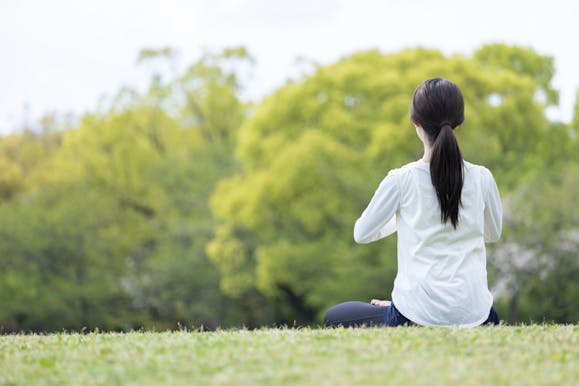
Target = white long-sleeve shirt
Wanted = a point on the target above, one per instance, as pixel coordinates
(442, 276)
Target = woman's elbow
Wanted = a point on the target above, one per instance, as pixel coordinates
(360, 236)
(494, 236)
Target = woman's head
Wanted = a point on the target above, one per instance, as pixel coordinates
(437, 102)
(438, 107)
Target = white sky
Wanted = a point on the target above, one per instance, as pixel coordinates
(65, 55)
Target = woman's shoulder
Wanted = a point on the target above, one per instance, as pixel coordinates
(479, 168)
(408, 172)
(408, 168)
(481, 173)
(415, 165)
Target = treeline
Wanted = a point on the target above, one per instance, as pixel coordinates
(185, 205)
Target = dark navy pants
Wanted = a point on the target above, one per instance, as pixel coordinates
(358, 314)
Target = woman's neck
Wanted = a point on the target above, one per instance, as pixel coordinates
(427, 153)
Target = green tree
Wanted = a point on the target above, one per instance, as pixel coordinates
(159, 155)
(575, 122)
(59, 254)
(537, 259)
(171, 206)
(523, 61)
(314, 151)
(112, 225)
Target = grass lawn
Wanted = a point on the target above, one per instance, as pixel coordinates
(524, 355)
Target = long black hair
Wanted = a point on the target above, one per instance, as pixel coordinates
(438, 107)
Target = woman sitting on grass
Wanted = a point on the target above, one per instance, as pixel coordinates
(444, 209)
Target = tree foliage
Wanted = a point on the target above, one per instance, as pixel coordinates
(313, 152)
(183, 204)
(111, 231)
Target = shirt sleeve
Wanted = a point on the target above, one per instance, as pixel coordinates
(379, 219)
(493, 213)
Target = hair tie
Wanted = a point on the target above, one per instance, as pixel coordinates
(445, 123)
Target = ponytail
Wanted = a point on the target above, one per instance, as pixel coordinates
(438, 107)
(446, 173)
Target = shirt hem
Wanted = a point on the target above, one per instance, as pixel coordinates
(410, 316)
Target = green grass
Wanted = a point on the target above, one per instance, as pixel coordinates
(525, 355)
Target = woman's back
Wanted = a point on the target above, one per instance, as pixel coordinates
(441, 270)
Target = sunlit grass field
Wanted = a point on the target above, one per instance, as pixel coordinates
(505, 355)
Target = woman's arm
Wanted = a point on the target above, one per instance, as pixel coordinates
(378, 220)
(493, 213)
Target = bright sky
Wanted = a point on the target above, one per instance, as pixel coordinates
(66, 55)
